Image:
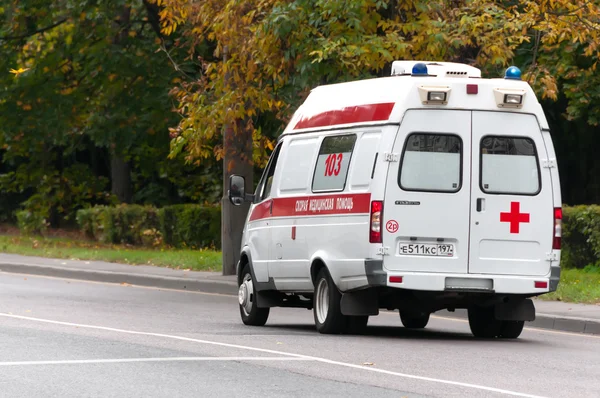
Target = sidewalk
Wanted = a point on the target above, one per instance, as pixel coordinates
(550, 314)
(100, 271)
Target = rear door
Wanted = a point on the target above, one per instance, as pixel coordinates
(512, 211)
(425, 221)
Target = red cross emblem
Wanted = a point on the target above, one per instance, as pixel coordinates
(515, 217)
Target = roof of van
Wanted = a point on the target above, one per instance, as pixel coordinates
(384, 100)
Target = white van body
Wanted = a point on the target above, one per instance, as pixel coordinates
(463, 172)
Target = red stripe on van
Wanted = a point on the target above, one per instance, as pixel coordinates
(349, 114)
(313, 206)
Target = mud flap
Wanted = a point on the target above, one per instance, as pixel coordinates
(515, 310)
(360, 302)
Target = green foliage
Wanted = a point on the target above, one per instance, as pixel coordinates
(191, 226)
(30, 222)
(57, 195)
(581, 237)
(125, 224)
(84, 82)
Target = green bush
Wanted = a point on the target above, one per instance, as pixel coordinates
(130, 224)
(30, 222)
(198, 226)
(85, 219)
(191, 226)
(581, 236)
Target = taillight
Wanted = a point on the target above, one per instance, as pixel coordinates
(541, 284)
(375, 232)
(556, 242)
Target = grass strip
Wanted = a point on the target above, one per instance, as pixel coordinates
(192, 259)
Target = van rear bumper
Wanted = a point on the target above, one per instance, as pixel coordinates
(481, 283)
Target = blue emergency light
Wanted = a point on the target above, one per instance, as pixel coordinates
(513, 73)
(419, 69)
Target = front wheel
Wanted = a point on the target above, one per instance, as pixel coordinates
(249, 311)
(412, 320)
(327, 313)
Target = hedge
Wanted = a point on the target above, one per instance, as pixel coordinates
(128, 224)
(199, 226)
(580, 236)
(191, 226)
(178, 226)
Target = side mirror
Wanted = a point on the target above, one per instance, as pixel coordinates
(237, 190)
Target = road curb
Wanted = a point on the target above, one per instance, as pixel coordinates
(165, 282)
(543, 321)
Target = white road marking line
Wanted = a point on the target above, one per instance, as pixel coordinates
(128, 360)
(305, 357)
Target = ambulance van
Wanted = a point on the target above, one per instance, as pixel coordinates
(431, 189)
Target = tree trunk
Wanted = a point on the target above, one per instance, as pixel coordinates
(120, 170)
(120, 173)
(237, 160)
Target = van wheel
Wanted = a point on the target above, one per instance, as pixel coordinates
(412, 320)
(327, 313)
(250, 313)
(483, 323)
(511, 329)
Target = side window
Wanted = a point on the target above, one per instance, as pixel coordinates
(263, 190)
(431, 162)
(296, 163)
(509, 165)
(333, 162)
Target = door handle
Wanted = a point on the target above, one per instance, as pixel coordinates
(480, 204)
(271, 207)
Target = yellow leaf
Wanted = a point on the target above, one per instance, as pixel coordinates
(17, 72)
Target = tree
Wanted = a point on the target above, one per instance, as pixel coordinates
(88, 108)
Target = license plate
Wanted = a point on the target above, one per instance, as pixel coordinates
(423, 249)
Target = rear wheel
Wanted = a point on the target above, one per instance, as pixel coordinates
(414, 320)
(511, 329)
(327, 313)
(250, 313)
(483, 323)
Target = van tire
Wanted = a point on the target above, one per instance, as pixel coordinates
(411, 320)
(511, 329)
(483, 323)
(326, 309)
(249, 311)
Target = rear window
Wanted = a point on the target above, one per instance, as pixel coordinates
(509, 165)
(333, 162)
(431, 162)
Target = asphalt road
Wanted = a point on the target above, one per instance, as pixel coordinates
(72, 339)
